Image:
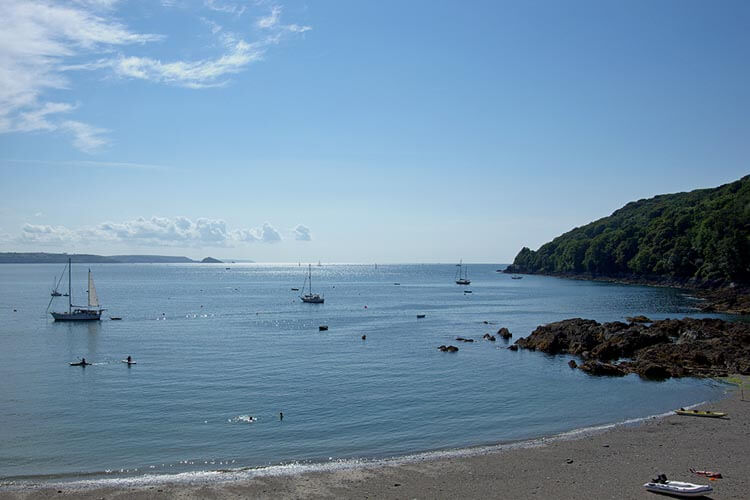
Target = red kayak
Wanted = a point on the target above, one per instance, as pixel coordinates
(706, 473)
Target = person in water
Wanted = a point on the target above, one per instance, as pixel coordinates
(83, 362)
(130, 360)
(281, 415)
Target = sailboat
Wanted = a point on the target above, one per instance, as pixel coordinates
(462, 279)
(309, 297)
(91, 312)
(56, 285)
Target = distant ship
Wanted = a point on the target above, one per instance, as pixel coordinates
(309, 297)
(462, 279)
(92, 312)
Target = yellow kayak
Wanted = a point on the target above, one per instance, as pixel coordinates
(699, 413)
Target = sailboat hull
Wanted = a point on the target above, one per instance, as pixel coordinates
(313, 299)
(78, 315)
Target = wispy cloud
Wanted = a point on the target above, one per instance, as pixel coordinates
(227, 7)
(154, 231)
(86, 137)
(36, 36)
(42, 42)
(193, 74)
(271, 20)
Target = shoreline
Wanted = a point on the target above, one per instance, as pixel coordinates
(722, 300)
(628, 453)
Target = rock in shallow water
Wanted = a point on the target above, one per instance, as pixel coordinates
(663, 349)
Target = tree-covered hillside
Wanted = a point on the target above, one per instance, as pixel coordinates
(703, 234)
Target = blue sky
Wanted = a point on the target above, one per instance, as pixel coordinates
(357, 131)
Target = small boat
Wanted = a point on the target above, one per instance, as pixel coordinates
(420, 316)
(295, 289)
(467, 291)
(700, 413)
(56, 285)
(128, 362)
(397, 284)
(516, 277)
(678, 488)
(322, 328)
(227, 268)
(462, 279)
(80, 363)
(311, 298)
(115, 318)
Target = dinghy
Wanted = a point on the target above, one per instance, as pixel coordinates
(679, 489)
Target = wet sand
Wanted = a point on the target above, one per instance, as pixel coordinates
(611, 464)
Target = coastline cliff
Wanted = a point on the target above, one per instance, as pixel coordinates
(698, 239)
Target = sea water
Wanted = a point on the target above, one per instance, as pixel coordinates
(221, 352)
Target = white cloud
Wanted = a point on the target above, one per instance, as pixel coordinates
(269, 234)
(43, 41)
(193, 74)
(154, 231)
(271, 20)
(35, 37)
(302, 233)
(225, 7)
(86, 137)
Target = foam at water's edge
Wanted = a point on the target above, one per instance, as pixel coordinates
(245, 473)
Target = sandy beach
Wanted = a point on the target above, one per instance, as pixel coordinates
(610, 464)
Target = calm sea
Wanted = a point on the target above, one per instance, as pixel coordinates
(217, 346)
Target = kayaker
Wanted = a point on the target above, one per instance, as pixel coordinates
(130, 360)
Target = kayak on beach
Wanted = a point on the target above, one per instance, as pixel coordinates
(699, 413)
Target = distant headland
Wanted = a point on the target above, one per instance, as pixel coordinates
(58, 258)
(698, 240)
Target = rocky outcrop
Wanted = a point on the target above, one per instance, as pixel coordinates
(489, 337)
(211, 260)
(599, 368)
(461, 339)
(448, 348)
(638, 319)
(504, 333)
(663, 349)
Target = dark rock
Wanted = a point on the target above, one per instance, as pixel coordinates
(653, 372)
(572, 363)
(663, 349)
(513, 347)
(364, 337)
(504, 333)
(448, 348)
(461, 339)
(638, 319)
(599, 368)
(322, 328)
(489, 337)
